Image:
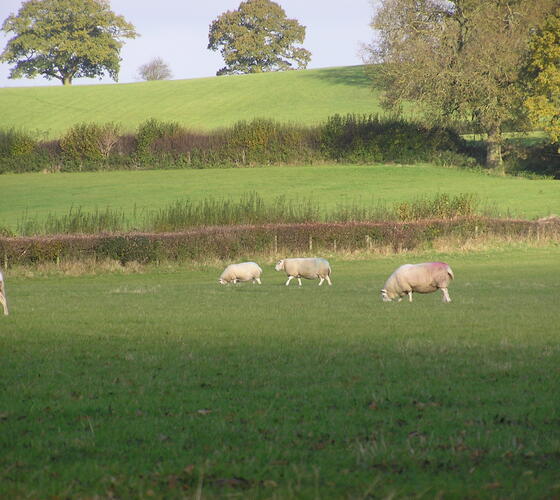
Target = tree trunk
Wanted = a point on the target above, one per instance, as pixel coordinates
(66, 80)
(494, 150)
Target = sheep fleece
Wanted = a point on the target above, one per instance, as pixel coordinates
(308, 268)
(421, 278)
(245, 271)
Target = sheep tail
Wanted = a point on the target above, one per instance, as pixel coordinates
(450, 272)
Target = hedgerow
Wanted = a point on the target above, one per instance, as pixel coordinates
(229, 242)
(158, 144)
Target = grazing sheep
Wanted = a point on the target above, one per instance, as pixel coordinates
(309, 268)
(245, 271)
(421, 278)
(3, 300)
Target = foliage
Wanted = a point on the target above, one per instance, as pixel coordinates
(90, 141)
(236, 241)
(263, 141)
(156, 69)
(541, 160)
(152, 130)
(351, 139)
(542, 75)
(65, 39)
(459, 59)
(258, 37)
(16, 143)
(365, 139)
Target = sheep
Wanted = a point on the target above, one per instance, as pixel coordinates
(244, 271)
(309, 268)
(3, 300)
(422, 278)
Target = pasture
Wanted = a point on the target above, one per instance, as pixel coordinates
(305, 97)
(35, 196)
(164, 384)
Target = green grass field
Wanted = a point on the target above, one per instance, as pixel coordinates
(165, 384)
(40, 194)
(304, 97)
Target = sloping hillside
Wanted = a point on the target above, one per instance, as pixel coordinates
(306, 96)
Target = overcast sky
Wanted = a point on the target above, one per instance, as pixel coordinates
(177, 31)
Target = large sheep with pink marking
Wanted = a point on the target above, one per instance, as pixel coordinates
(3, 299)
(244, 271)
(420, 278)
(309, 268)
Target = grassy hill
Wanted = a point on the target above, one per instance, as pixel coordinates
(307, 96)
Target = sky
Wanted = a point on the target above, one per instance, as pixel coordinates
(177, 31)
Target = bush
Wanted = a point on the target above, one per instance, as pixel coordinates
(263, 141)
(152, 130)
(89, 141)
(534, 161)
(16, 143)
(369, 138)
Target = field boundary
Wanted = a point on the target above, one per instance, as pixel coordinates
(227, 242)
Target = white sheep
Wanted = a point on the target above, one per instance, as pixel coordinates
(421, 278)
(244, 271)
(3, 299)
(309, 268)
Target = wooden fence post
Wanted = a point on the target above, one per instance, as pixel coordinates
(310, 243)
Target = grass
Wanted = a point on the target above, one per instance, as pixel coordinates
(249, 209)
(35, 196)
(305, 97)
(165, 384)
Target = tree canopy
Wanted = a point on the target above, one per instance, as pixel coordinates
(542, 75)
(460, 59)
(65, 39)
(258, 37)
(156, 69)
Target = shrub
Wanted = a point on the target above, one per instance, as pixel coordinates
(533, 161)
(369, 138)
(89, 141)
(266, 141)
(16, 143)
(152, 130)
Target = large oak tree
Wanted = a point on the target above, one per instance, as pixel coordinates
(65, 39)
(258, 37)
(460, 59)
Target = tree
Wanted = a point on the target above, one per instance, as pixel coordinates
(258, 37)
(156, 69)
(460, 59)
(542, 77)
(65, 39)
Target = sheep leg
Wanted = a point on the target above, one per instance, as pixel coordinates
(409, 295)
(299, 281)
(446, 297)
(289, 279)
(321, 280)
(328, 280)
(4, 303)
